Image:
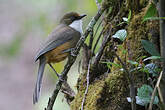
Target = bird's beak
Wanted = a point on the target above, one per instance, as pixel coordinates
(82, 16)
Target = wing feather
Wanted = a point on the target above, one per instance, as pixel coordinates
(59, 36)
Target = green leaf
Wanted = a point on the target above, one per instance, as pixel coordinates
(152, 69)
(145, 92)
(120, 34)
(151, 12)
(109, 64)
(150, 48)
(99, 1)
(127, 20)
(132, 62)
(129, 15)
(124, 51)
(152, 58)
(155, 18)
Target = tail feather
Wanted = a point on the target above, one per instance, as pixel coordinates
(36, 93)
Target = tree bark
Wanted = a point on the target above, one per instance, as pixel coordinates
(162, 45)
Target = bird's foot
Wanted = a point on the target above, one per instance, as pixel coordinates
(61, 78)
(73, 52)
(54, 70)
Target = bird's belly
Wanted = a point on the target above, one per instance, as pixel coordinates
(57, 55)
(56, 58)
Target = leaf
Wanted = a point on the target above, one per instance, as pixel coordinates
(124, 51)
(132, 62)
(151, 12)
(152, 58)
(138, 101)
(129, 15)
(144, 94)
(152, 69)
(155, 18)
(99, 1)
(120, 34)
(109, 64)
(125, 19)
(150, 48)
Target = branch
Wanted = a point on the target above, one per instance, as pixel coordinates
(97, 3)
(68, 92)
(97, 41)
(99, 54)
(86, 91)
(91, 39)
(72, 59)
(154, 92)
(162, 45)
(98, 27)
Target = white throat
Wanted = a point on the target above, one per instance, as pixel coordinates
(77, 25)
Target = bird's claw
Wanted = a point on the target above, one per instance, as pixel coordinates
(73, 52)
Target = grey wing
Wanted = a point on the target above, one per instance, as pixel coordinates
(57, 39)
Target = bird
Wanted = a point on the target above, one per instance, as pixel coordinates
(58, 46)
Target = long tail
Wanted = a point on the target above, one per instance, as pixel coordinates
(36, 93)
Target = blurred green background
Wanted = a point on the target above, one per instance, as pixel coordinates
(24, 25)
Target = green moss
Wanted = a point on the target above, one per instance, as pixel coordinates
(91, 98)
(115, 92)
(103, 94)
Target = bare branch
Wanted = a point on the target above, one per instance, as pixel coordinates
(98, 4)
(154, 92)
(91, 40)
(97, 40)
(99, 54)
(68, 91)
(86, 91)
(162, 45)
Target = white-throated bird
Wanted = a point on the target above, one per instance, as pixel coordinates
(58, 46)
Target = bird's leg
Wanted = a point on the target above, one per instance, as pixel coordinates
(54, 70)
(59, 76)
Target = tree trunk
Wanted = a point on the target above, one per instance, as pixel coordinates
(162, 45)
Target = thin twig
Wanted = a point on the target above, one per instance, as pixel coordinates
(162, 45)
(86, 56)
(160, 94)
(91, 40)
(98, 27)
(154, 92)
(98, 5)
(132, 87)
(99, 54)
(79, 64)
(72, 58)
(86, 91)
(94, 48)
(68, 91)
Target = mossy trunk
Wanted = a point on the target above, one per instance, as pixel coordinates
(110, 91)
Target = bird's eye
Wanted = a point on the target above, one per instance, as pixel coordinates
(73, 18)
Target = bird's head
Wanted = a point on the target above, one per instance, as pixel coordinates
(70, 17)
